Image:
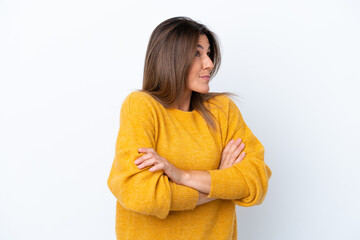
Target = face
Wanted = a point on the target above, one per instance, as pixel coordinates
(199, 75)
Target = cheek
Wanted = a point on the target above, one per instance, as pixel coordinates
(192, 77)
(193, 73)
(191, 80)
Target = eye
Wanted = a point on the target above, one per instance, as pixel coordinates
(209, 54)
(197, 54)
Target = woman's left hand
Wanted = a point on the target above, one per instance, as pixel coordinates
(151, 158)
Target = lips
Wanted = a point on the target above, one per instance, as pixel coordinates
(205, 77)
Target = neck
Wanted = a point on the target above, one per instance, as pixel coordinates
(184, 105)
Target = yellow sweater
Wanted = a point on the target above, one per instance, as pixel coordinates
(149, 205)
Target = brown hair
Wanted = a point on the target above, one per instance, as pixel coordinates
(169, 56)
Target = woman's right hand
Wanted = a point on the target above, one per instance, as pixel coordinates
(232, 153)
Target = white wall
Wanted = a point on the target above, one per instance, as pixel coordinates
(66, 66)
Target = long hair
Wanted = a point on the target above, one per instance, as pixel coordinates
(169, 56)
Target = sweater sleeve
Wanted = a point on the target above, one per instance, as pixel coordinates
(149, 193)
(246, 182)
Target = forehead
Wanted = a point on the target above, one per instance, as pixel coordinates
(203, 41)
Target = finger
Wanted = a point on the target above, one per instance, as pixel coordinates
(156, 168)
(143, 158)
(234, 156)
(228, 145)
(147, 163)
(235, 145)
(242, 146)
(153, 169)
(236, 153)
(229, 158)
(240, 158)
(225, 152)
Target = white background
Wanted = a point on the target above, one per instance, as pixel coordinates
(66, 66)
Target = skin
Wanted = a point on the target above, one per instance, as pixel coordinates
(232, 153)
(199, 180)
(201, 66)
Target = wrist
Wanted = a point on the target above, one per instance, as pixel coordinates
(203, 198)
(198, 180)
(185, 177)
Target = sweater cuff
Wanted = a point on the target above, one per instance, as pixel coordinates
(182, 197)
(228, 184)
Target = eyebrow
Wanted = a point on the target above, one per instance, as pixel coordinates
(202, 47)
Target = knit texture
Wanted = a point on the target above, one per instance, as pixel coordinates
(149, 205)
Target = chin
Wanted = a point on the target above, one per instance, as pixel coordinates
(204, 90)
(200, 88)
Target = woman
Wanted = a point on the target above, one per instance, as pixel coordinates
(180, 165)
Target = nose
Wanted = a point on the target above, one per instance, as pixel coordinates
(207, 63)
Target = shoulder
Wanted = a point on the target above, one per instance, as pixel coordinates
(223, 103)
(139, 105)
(138, 96)
(225, 109)
(138, 100)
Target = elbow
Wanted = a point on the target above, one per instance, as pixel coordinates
(139, 200)
(258, 186)
(256, 197)
(144, 208)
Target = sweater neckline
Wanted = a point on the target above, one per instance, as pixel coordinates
(181, 112)
(174, 110)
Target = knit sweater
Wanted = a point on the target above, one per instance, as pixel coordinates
(149, 205)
